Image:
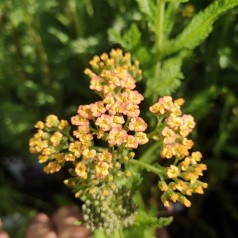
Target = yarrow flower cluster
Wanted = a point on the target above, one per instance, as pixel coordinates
(50, 143)
(102, 137)
(183, 173)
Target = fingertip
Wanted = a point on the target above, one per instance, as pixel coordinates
(3, 234)
(40, 217)
(40, 226)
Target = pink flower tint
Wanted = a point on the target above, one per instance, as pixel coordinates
(188, 120)
(167, 152)
(135, 97)
(108, 101)
(167, 102)
(141, 138)
(79, 121)
(131, 110)
(96, 83)
(86, 140)
(122, 97)
(85, 111)
(184, 130)
(105, 156)
(174, 122)
(188, 143)
(81, 132)
(117, 107)
(114, 80)
(181, 150)
(98, 108)
(117, 136)
(169, 135)
(137, 124)
(108, 89)
(128, 82)
(84, 129)
(157, 108)
(104, 122)
(117, 121)
(131, 142)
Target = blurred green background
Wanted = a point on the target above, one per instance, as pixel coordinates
(44, 48)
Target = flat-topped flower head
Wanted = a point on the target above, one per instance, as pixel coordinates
(76, 148)
(113, 71)
(97, 108)
(131, 142)
(104, 122)
(56, 138)
(117, 136)
(135, 97)
(96, 83)
(81, 171)
(99, 149)
(52, 167)
(141, 137)
(39, 125)
(173, 171)
(101, 169)
(169, 135)
(79, 121)
(137, 124)
(52, 121)
(85, 111)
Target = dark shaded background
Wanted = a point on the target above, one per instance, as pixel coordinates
(44, 48)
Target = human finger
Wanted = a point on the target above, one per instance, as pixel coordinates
(3, 234)
(40, 227)
(64, 220)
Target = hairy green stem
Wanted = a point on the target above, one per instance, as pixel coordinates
(159, 38)
(148, 167)
(146, 156)
(159, 23)
(157, 129)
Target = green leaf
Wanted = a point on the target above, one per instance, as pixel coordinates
(170, 18)
(115, 36)
(170, 77)
(148, 8)
(132, 36)
(148, 221)
(199, 28)
(84, 45)
(128, 40)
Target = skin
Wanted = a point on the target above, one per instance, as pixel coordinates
(60, 225)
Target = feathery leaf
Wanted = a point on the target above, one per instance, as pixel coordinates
(199, 28)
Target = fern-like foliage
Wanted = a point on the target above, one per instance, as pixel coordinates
(199, 28)
(147, 221)
(148, 8)
(128, 39)
(170, 77)
(170, 16)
